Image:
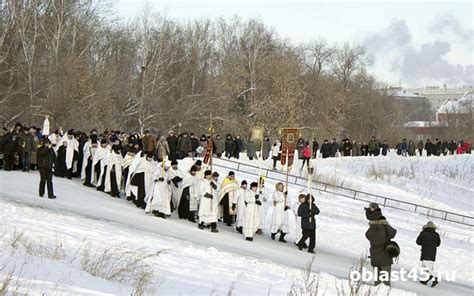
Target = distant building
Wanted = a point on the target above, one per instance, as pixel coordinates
(457, 111)
(436, 95)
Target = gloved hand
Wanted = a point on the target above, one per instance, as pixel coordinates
(161, 179)
(285, 193)
(213, 185)
(169, 182)
(245, 203)
(287, 208)
(256, 196)
(258, 202)
(208, 195)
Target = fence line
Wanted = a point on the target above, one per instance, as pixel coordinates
(348, 192)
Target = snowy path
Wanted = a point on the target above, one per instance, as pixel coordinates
(79, 201)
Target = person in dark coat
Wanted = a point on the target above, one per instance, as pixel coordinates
(334, 147)
(172, 140)
(315, 147)
(308, 223)
(60, 168)
(364, 149)
(429, 147)
(444, 147)
(194, 144)
(385, 148)
(185, 146)
(419, 147)
(27, 144)
(46, 159)
(300, 146)
(267, 146)
(229, 146)
(326, 149)
(437, 147)
(9, 147)
(239, 146)
(346, 147)
(429, 241)
(452, 147)
(378, 234)
(355, 149)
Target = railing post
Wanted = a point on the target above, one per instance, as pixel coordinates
(445, 215)
(416, 207)
(355, 192)
(384, 202)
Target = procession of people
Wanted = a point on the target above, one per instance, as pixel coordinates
(155, 175)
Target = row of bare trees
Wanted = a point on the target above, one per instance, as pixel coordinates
(71, 60)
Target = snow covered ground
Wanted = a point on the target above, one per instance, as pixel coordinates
(87, 243)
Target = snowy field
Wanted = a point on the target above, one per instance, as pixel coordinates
(87, 243)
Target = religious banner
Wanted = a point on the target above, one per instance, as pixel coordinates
(289, 138)
(208, 154)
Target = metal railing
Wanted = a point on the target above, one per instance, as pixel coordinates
(347, 192)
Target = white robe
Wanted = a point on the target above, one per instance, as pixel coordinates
(114, 159)
(55, 140)
(240, 206)
(160, 198)
(72, 145)
(87, 151)
(131, 168)
(299, 231)
(101, 155)
(175, 190)
(208, 207)
(192, 182)
(148, 168)
(279, 216)
(251, 216)
(262, 209)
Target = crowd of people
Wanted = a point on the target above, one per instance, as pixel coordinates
(151, 173)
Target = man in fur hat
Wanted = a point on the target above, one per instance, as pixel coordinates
(378, 234)
(429, 241)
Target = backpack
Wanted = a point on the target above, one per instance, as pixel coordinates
(391, 247)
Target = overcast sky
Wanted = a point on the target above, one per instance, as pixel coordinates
(419, 43)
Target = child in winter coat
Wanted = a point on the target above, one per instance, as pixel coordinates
(429, 241)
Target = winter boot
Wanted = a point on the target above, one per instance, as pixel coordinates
(259, 232)
(273, 236)
(250, 239)
(201, 226)
(214, 228)
(426, 282)
(311, 251)
(435, 282)
(282, 237)
(155, 213)
(239, 229)
(52, 197)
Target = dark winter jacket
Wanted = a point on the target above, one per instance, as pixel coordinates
(385, 149)
(346, 148)
(27, 142)
(430, 148)
(172, 142)
(373, 145)
(326, 150)
(305, 213)
(184, 145)
(266, 148)
(46, 158)
(149, 143)
(315, 148)
(251, 150)
(299, 146)
(428, 240)
(229, 145)
(219, 146)
(8, 145)
(194, 144)
(334, 148)
(364, 150)
(355, 149)
(376, 234)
